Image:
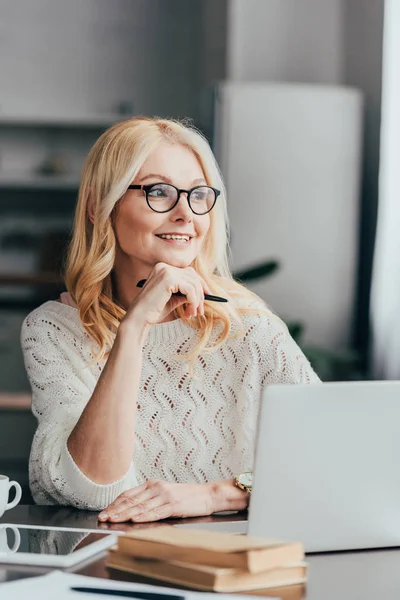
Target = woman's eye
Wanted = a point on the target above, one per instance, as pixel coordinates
(157, 193)
(199, 195)
(163, 190)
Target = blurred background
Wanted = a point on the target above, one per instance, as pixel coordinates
(299, 100)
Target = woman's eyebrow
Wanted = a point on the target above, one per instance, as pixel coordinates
(160, 178)
(156, 176)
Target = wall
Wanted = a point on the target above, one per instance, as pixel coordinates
(290, 40)
(385, 294)
(214, 24)
(88, 56)
(324, 42)
(213, 58)
(291, 164)
(362, 67)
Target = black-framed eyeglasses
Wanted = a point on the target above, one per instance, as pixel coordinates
(163, 197)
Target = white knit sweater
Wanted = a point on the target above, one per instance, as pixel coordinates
(187, 430)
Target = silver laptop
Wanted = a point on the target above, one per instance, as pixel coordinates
(327, 468)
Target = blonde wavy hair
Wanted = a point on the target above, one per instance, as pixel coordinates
(111, 165)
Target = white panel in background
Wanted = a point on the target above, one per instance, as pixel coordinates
(385, 295)
(291, 158)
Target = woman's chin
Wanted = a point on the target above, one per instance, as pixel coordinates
(180, 262)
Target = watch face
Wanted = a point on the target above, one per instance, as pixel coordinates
(246, 479)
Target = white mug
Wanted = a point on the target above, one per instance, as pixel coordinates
(4, 547)
(5, 486)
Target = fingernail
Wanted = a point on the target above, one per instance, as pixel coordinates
(103, 515)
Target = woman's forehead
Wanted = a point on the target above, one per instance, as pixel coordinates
(174, 161)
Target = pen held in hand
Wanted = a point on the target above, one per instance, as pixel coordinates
(210, 297)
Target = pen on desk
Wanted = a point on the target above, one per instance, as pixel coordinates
(127, 593)
(210, 297)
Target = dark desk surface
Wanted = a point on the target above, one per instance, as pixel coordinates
(366, 575)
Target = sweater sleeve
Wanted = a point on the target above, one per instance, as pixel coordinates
(62, 383)
(279, 358)
(290, 363)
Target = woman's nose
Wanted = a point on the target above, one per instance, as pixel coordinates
(182, 209)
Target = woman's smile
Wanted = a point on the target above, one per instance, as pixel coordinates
(177, 240)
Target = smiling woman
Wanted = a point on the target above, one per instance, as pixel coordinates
(148, 398)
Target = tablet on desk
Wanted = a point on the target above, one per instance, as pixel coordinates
(49, 546)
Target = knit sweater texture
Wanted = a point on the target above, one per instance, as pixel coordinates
(198, 429)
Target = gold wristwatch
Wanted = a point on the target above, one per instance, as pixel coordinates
(244, 481)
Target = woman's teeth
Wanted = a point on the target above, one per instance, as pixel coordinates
(175, 237)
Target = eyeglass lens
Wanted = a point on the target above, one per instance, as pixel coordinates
(162, 197)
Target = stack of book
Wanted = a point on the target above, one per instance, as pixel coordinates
(204, 560)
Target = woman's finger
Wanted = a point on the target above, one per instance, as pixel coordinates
(199, 291)
(195, 278)
(164, 511)
(206, 289)
(201, 287)
(128, 495)
(189, 289)
(140, 511)
(199, 280)
(130, 503)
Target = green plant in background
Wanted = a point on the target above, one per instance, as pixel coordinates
(330, 365)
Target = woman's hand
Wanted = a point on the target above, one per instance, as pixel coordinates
(155, 302)
(155, 500)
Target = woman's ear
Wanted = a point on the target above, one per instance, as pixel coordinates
(91, 211)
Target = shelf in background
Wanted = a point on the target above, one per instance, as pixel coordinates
(43, 278)
(80, 121)
(39, 182)
(12, 401)
(24, 305)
